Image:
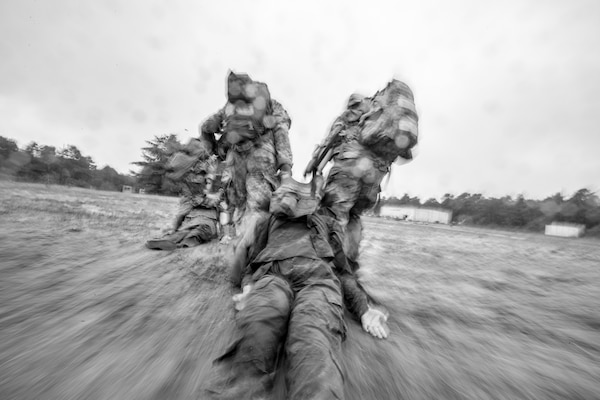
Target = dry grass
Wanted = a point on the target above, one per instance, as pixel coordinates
(87, 312)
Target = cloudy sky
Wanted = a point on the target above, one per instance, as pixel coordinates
(507, 91)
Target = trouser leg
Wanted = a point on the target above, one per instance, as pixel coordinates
(259, 186)
(341, 193)
(316, 331)
(248, 365)
(237, 256)
(203, 232)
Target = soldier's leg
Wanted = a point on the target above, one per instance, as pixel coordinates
(260, 181)
(248, 364)
(315, 333)
(238, 253)
(369, 190)
(341, 193)
(205, 231)
(167, 242)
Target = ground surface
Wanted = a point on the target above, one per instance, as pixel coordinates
(86, 312)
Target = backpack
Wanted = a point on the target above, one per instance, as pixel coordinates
(390, 128)
(248, 103)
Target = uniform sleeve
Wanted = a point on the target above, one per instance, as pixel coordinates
(338, 126)
(347, 119)
(281, 135)
(355, 297)
(261, 237)
(210, 127)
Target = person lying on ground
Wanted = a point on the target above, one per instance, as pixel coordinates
(197, 174)
(294, 286)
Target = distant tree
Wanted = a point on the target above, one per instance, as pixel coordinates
(557, 198)
(519, 213)
(153, 167)
(7, 147)
(75, 168)
(33, 149)
(407, 200)
(581, 208)
(447, 200)
(67, 166)
(432, 202)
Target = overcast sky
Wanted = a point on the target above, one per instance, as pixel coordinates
(507, 91)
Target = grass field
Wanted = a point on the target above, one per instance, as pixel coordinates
(87, 312)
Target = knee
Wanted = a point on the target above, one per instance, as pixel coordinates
(268, 303)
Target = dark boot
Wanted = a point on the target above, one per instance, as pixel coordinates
(161, 244)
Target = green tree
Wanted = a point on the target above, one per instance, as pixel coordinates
(154, 165)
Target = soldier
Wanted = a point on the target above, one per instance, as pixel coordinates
(196, 172)
(254, 135)
(364, 142)
(295, 282)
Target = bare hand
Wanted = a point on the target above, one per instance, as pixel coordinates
(374, 322)
(239, 300)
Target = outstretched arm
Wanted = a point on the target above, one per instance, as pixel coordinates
(373, 319)
(242, 268)
(245, 252)
(210, 127)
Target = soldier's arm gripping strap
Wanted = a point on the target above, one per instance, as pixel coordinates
(281, 138)
(210, 127)
(261, 236)
(324, 151)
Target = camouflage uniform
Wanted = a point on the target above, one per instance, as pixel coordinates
(373, 133)
(197, 218)
(300, 280)
(199, 203)
(366, 139)
(254, 130)
(253, 163)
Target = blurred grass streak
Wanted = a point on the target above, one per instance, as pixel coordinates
(87, 312)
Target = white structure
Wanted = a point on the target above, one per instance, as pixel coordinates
(142, 191)
(418, 214)
(564, 229)
(127, 189)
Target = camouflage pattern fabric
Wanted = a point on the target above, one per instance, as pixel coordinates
(199, 226)
(371, 134)
(198, 177)
(259, 158)
(300, 279)
(256, 136)
(299, 301)
(201, 187)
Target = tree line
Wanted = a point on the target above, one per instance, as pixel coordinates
(66, 166)
(583, 207)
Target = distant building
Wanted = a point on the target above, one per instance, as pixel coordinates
(417, 214)
(127, 189)
(142, 191)
(564, 229)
